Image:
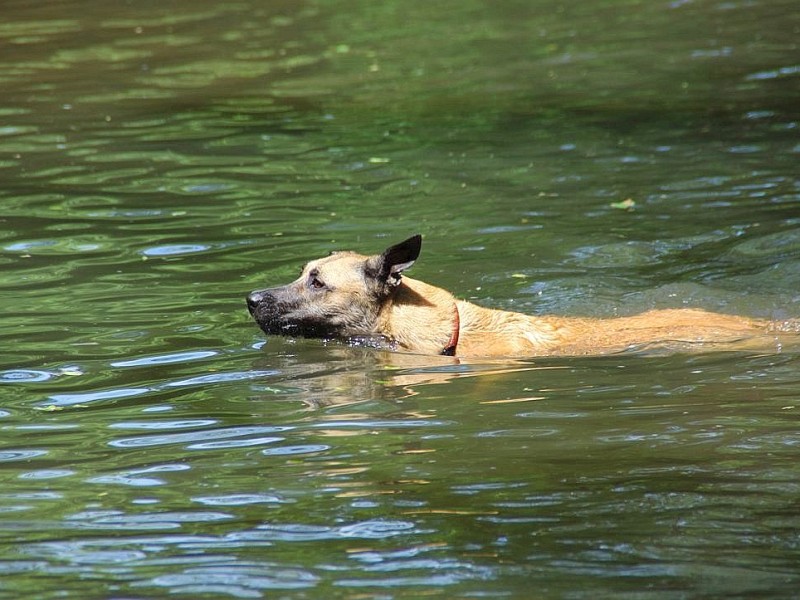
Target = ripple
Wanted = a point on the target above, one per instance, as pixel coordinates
(372, 529)
(15, 567)
(33, 496)
(195, 436)
(24, 376)
(49, 247)
(381, 424)
(220, 378)
(165, 359)
(240, 499)
(181, 424)
(16, 130)
(293, 532)
(14, 455)
(299, 449)
(778, 443)
(87, 397)
(745, 149)
(27, 246)
(400, 582)
(774, 244)
(139, 477)
(238, 581)
(175, 249)
(144, 521)
(216, 445)
(205, 188)
(47, 474)
(106, 557)
(774, 73)
(376, 529)
(79, 398)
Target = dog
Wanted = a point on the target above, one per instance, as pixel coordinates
(369, 300)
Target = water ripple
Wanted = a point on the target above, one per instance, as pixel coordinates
(134, 477)
(399, 582)
(87, 397)
(220, 378)
(175, 249)
(238, 581)
(24, 376)
(165, 359)
(299, 449)
(144, 521)
(377, 424)
(775, 73)
(47, 474)
(196, 436)
(79, 398)
(240, 499)
(220, 444)
(376, 529)
(182, 424)
(14, 455)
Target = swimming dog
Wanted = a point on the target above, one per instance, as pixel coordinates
(351, 296)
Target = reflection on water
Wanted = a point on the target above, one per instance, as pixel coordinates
(159, 161)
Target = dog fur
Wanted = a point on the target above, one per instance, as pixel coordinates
(355, 297)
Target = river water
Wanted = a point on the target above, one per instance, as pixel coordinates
(159, 160)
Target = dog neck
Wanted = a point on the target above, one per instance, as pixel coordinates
(420, 317)
(425, 319)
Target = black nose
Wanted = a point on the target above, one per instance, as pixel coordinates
(253, 300)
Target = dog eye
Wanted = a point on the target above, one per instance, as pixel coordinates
(316, 283)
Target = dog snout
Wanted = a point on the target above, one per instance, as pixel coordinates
(253, 300)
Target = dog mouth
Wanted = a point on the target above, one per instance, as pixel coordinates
(276, 318)
(264, 311)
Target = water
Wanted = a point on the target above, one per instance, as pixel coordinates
(160, 161)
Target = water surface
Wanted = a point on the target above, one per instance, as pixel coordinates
(160, 161)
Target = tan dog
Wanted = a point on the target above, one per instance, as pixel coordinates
(366, 299)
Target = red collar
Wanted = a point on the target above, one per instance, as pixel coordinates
(450, 349)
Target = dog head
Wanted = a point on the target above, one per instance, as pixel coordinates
(339, 296)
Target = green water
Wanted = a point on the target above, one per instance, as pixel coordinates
(160, 160)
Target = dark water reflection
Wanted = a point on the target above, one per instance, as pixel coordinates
(160, 161)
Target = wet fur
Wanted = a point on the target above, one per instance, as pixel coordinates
(349, 295)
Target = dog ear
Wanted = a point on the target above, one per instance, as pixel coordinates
(388, 266)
